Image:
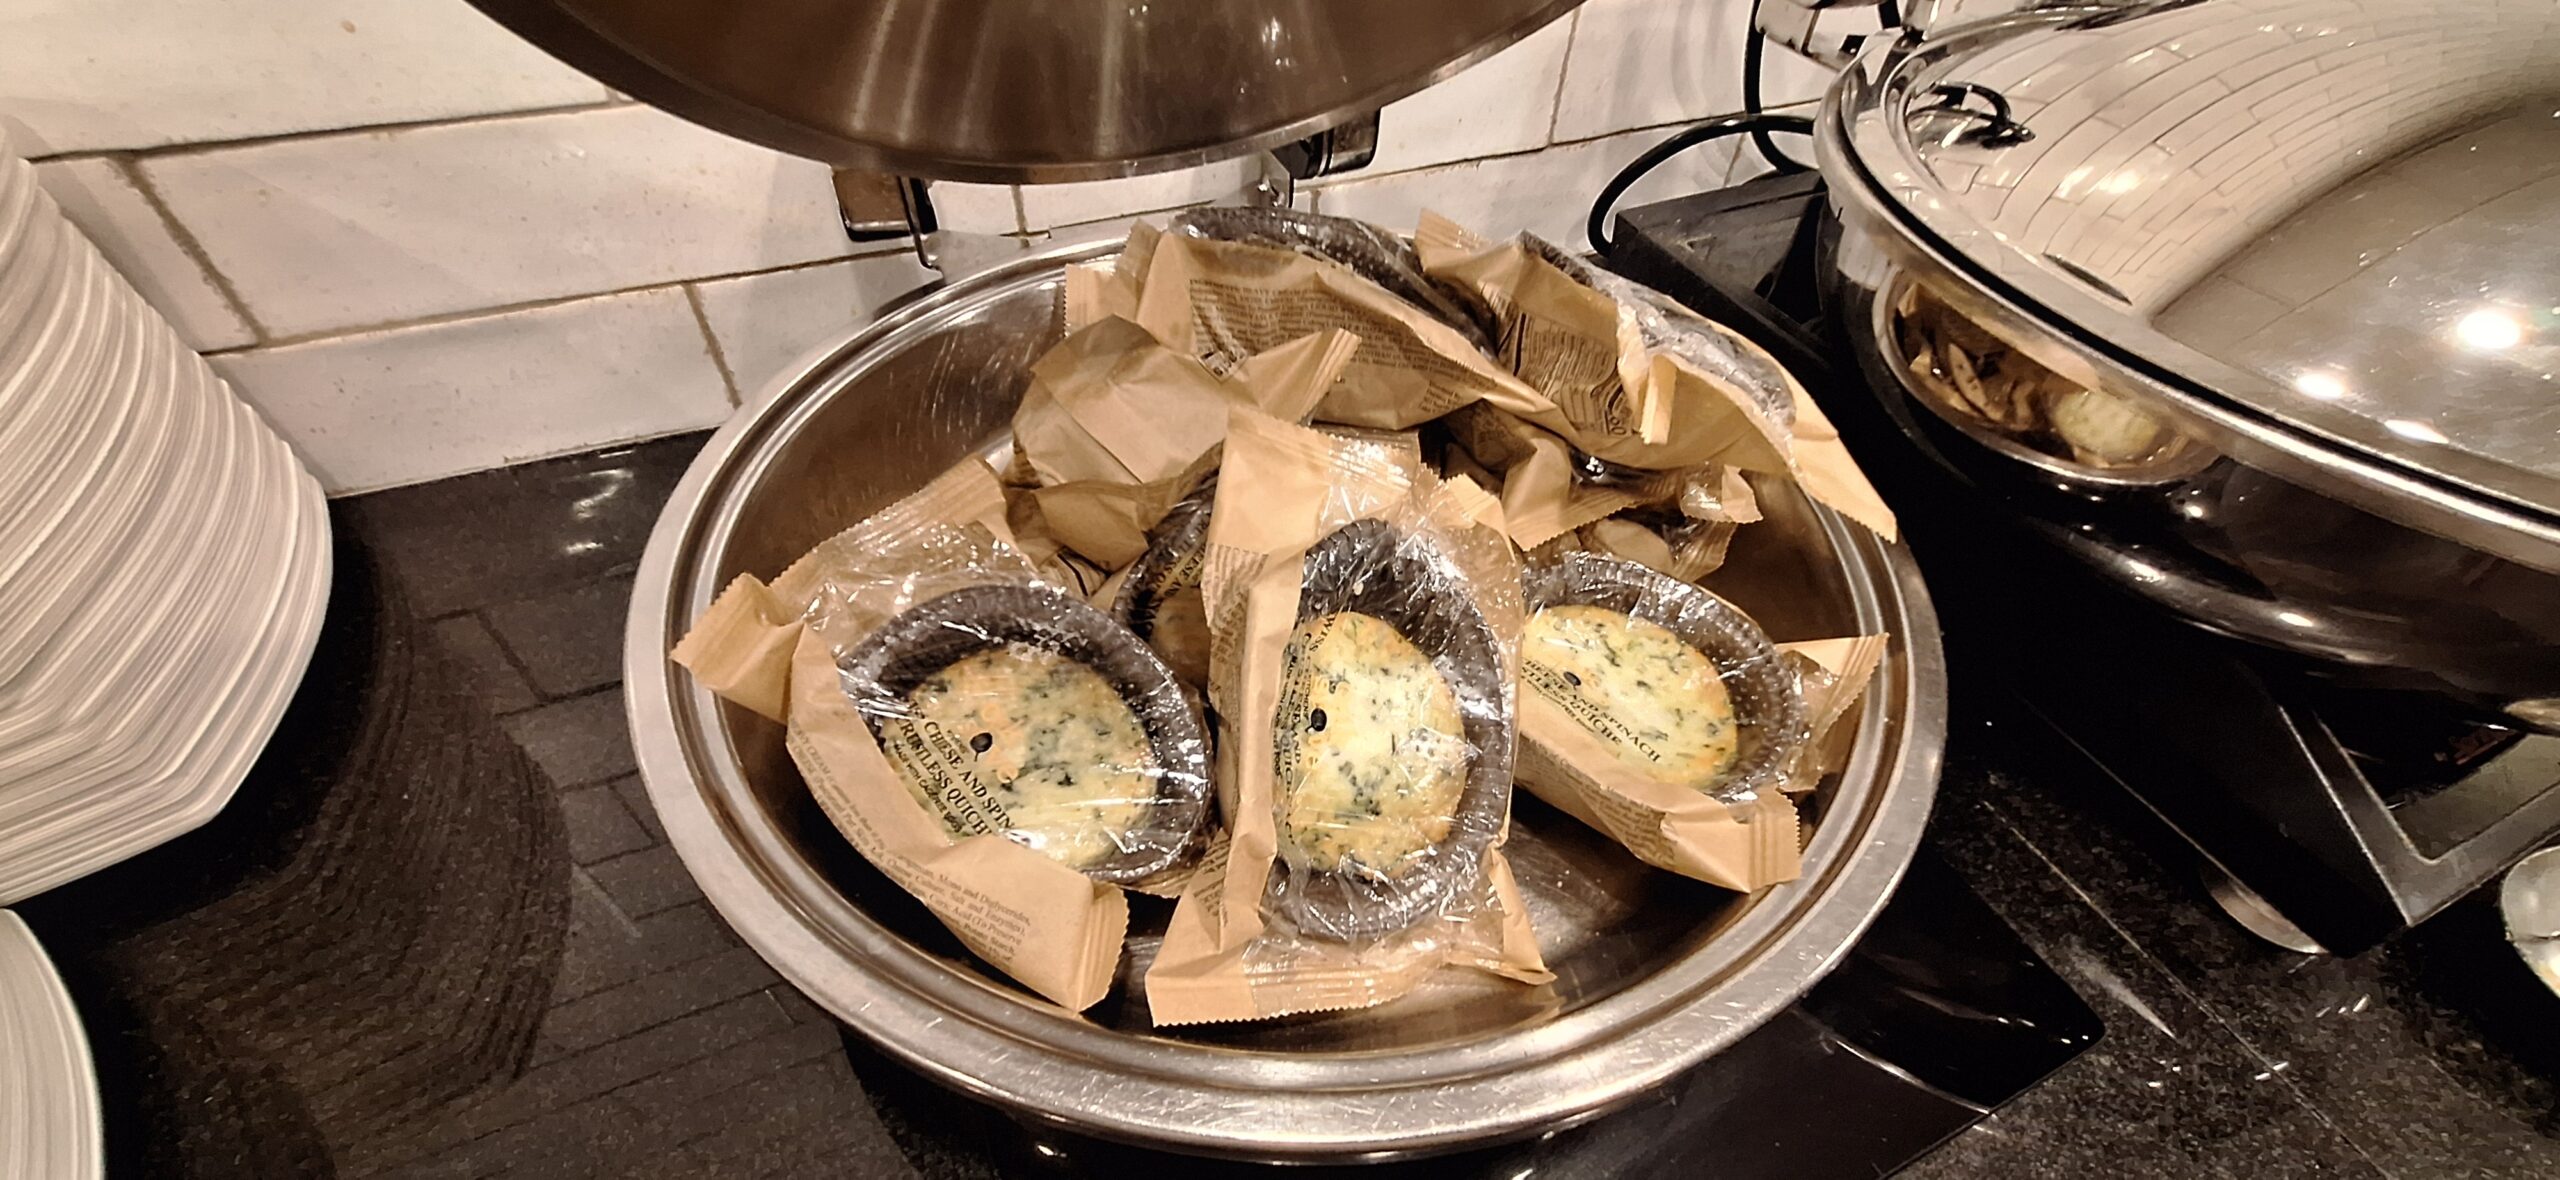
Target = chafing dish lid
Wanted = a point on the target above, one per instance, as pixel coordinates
(1021, 90)
(2340, 216)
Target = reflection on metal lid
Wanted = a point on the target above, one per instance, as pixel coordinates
(2342, 214)
(991, 90)
(2489, 330)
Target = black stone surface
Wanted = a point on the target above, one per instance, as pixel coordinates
(656, 1044)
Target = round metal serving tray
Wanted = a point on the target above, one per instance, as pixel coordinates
(1653, 973)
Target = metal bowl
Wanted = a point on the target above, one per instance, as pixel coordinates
(1653, 973)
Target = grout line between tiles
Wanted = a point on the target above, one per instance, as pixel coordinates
(523, 671)
(1564, 69)
(2184, 989)
(609, 1095)
(1348, 179)
(711, 344)
(210, 146)
(187, 244)
(506, 461)
(455, 317)
(578, 879)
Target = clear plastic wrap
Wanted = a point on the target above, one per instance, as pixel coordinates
(1392, 738)
(1021, 711)
(1365, 619)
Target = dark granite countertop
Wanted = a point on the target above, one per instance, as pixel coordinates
(408, 950)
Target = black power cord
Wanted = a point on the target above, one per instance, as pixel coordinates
(1754, 121)
(1755, 45)
(1596, 227)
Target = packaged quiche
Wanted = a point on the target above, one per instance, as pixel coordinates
(1003, 750)
(1364, 619)
(1159, 597)
(1662, 715)
(1115, 429)
(1639, 383)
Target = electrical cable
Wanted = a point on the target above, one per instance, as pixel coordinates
(1755, 45)
(1596, 225)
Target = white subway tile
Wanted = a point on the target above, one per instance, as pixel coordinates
(104, 203)
(1499, 105)
(1502, 104)
(380, 409)
(1547, 192)
(976, 208)
(91, 75)
(1642, 63)
(766, 321)
(340, 231)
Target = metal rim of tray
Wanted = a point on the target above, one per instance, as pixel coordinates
(957, 1028)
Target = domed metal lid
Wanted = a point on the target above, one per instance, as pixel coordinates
(2341, 217)
(1026, 90)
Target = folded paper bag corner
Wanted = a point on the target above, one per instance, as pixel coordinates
(741, 647)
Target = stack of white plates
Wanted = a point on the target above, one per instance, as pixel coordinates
(48, 1092)
(164, 561)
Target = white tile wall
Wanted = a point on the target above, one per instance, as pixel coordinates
(1503, 104)
(418, 264)
(90, 75)
(1547, 193)
(369, 228)
(766, 321)
(378, 409)
(1643, 63)
(976, 208)
(99, 197)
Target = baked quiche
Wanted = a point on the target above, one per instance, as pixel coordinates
(1027, 741)
(1371, 752)
(1657, 703)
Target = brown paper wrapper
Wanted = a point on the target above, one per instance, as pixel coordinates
(1559, 337)
(1110, 404)
(1224, 301)
(773, 649)
(1284, 488)
(1116, 428)
(1834, 674)
(1741, 845)
(1095, 291)
(1108, 522)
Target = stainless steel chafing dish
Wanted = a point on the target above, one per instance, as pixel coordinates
(2253, 305)
(1654, 973)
